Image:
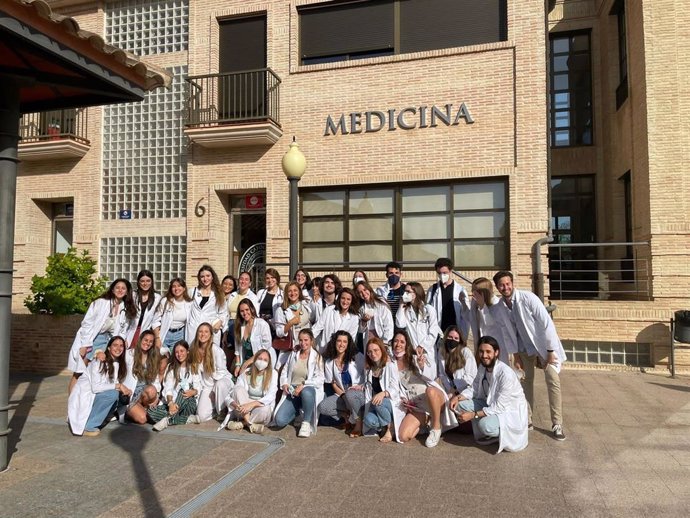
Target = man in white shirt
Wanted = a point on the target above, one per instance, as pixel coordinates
(534, 342)
(495, 403)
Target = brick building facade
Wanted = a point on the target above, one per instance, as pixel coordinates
(537, 118)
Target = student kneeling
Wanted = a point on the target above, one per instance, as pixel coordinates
(495, 403)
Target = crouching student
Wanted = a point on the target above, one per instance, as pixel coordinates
(216, 381)
(97, 392)
(301, 381)
(422, 399)
(143, 368)
(344, 371)
(181, 389)
(495, 403)
(382, 412)
(251, 402)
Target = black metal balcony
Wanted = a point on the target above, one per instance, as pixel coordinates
(237, 97)
(54, 125)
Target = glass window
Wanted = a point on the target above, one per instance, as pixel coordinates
(323, 204)
(571, 90)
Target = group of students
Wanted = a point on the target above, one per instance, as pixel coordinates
(392, 361)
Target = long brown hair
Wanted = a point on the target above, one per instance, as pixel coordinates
(108, 365)
(174, 366)
(215, 284)
(286, 304)
(196, 351)
(128, 299)
(170, 298)
(239, 322)
(254, 372)
(454, 359)
(410, 352)
(146, 371)
(419, 300)
(369, 364)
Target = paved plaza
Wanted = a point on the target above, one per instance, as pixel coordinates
(627, 454)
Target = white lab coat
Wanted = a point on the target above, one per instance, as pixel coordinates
(131, 380)
(505, 400)
(282, 316)
(331, 321)
(277, 301)
(532, 318)
(462, 378)
(219, 382)
(249, 295)
(383, 321)
(318, 307)
(164, 317)
(171, 386)
(422, 329)
(269, 396)
(260, 338)
(355, 368)
(390, 382)
(210, 314)
(314, 379)
(434, 297)
(91, 325)
(81, 399)
(147, 320)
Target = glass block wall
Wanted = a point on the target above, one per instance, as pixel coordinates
(144, 154)
(148, 27)
(608, 353)
(125, 257)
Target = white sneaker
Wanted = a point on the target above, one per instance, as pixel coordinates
(304, 429)
(256, 428)
(235, 425)
(433, 439)
(193, 419)
(161, 425)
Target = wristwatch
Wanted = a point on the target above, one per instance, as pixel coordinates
(476, 415)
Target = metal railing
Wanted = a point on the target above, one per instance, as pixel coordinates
(607, 271)
(54, 125)
(252, 95)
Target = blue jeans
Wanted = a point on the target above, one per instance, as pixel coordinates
(288, 410)
(379, 416)
(172, 337)
(104, 403)
(486, 426)
(99, 344)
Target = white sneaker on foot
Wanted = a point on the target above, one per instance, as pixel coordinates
(433, 439)
(235, 425)
(256, 428)
(193, 419)
(304, 429)
(161, 425)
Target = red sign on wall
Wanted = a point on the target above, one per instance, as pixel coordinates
(254, 201)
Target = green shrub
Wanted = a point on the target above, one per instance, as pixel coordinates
(68, 287)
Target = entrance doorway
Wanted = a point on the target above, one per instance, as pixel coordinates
(248, 236)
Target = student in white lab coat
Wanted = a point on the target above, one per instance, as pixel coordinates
(252, 400)
(293, 315)
(343, 315)
(97, 391)
(419, 320)
(216, 381)
(328, 295)
(181, 389)
(208, 305)
(143, 369)
(251, 335)
(446, 297)
(171, 316)
(530, 333)
(382, 411)
(301, 381)
(456, 364)
(495, 403)
(375, 316)
(270, 298)
(146, 300)
(303, 279)
(109, 315)
(482, 309)
(421, 398)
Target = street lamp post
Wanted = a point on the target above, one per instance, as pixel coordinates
(294, 163)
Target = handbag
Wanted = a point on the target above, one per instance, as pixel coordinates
(283, 344)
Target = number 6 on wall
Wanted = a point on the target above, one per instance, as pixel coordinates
(199, 209)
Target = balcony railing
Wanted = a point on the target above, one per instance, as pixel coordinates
(237, 97)
(608, 271)
(54, 125)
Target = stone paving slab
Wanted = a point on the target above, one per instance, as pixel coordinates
(627, 454)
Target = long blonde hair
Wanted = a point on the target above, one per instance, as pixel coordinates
(454, 359)
(146, 371)
(199, 349)
(485, 289)
(254, 372)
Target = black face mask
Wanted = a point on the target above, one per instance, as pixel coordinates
(451, 345)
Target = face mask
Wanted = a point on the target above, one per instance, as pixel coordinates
(393, 280)
(261, 364)
(399, 354)
(294, 307)
(451, 344)
(358, 280)
(407, 297)
(443, 277)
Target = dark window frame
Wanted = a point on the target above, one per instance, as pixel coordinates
(397, 242)
(618, 10)
(577, 133)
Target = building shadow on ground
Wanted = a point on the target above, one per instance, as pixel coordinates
(681, 388)
(22, 408)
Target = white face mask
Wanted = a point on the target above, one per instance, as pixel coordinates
(261, 364)
(399, 354)
(407, 297)
(443, 277)
(358, 280)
